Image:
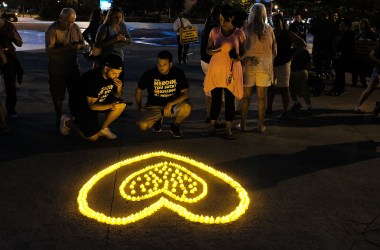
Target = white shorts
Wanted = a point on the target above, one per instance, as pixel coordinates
(282, 75)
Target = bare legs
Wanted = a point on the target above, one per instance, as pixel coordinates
(262, 101)
(285, 96)
(366, 93)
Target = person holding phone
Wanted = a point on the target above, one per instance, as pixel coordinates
(113, 36)
(98, 91)
(168, 96)
(224, 76)
(63, 40)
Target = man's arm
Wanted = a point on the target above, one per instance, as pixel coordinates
(93, 104)
(118, 93)
(184, 95)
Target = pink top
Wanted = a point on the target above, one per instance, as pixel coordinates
(219, 68)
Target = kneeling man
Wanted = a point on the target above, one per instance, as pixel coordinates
(98, 90)
(168, 95)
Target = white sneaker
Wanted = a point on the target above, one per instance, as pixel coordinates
(106, 132)
(62, 127)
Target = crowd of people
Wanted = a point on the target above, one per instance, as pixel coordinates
(238, 52)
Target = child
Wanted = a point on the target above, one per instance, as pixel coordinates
(298, 80)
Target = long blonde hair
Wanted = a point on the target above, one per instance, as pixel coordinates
(256, 20)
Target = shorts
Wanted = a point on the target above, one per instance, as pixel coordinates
(298, 83)
(282, 75)
(260, 79)
(375, 75)
(150, 113)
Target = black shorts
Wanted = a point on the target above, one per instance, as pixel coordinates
(87, 121)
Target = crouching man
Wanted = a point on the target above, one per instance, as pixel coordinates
(98, 90)
(168, 96)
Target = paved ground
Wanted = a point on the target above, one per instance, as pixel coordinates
(312, 180)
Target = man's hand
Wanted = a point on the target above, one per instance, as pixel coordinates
(118, 83)
(168, 110)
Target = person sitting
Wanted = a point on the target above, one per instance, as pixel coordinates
(168, 96)
(98, 90)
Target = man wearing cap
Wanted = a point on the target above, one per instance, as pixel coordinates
(98, 90)
(168, 95)
(63, 40)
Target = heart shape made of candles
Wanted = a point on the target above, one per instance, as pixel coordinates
(194, 188)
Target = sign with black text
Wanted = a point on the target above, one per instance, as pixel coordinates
(188, 35)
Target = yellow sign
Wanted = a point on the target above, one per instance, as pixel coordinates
(188, 35)
(164, 178)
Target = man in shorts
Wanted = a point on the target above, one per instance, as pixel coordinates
(168, 96)
(98, 91)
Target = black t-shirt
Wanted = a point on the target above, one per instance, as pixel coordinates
(92, 84)
(163, 88)
(284, 46)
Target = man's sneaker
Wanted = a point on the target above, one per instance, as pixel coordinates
(65, 130)
(175, 130)
(106, 132)
(357, 109)
(12, 115)
(296, 107)
(376, 110)
(157, 127)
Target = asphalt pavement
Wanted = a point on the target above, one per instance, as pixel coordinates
(311, 180)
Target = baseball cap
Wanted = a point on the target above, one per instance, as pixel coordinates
(113, 61)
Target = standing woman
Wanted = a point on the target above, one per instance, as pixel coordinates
(285, 40)
(89, 34)
(113, 35)
(11, 65)
(260, 50)
(224, 75)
